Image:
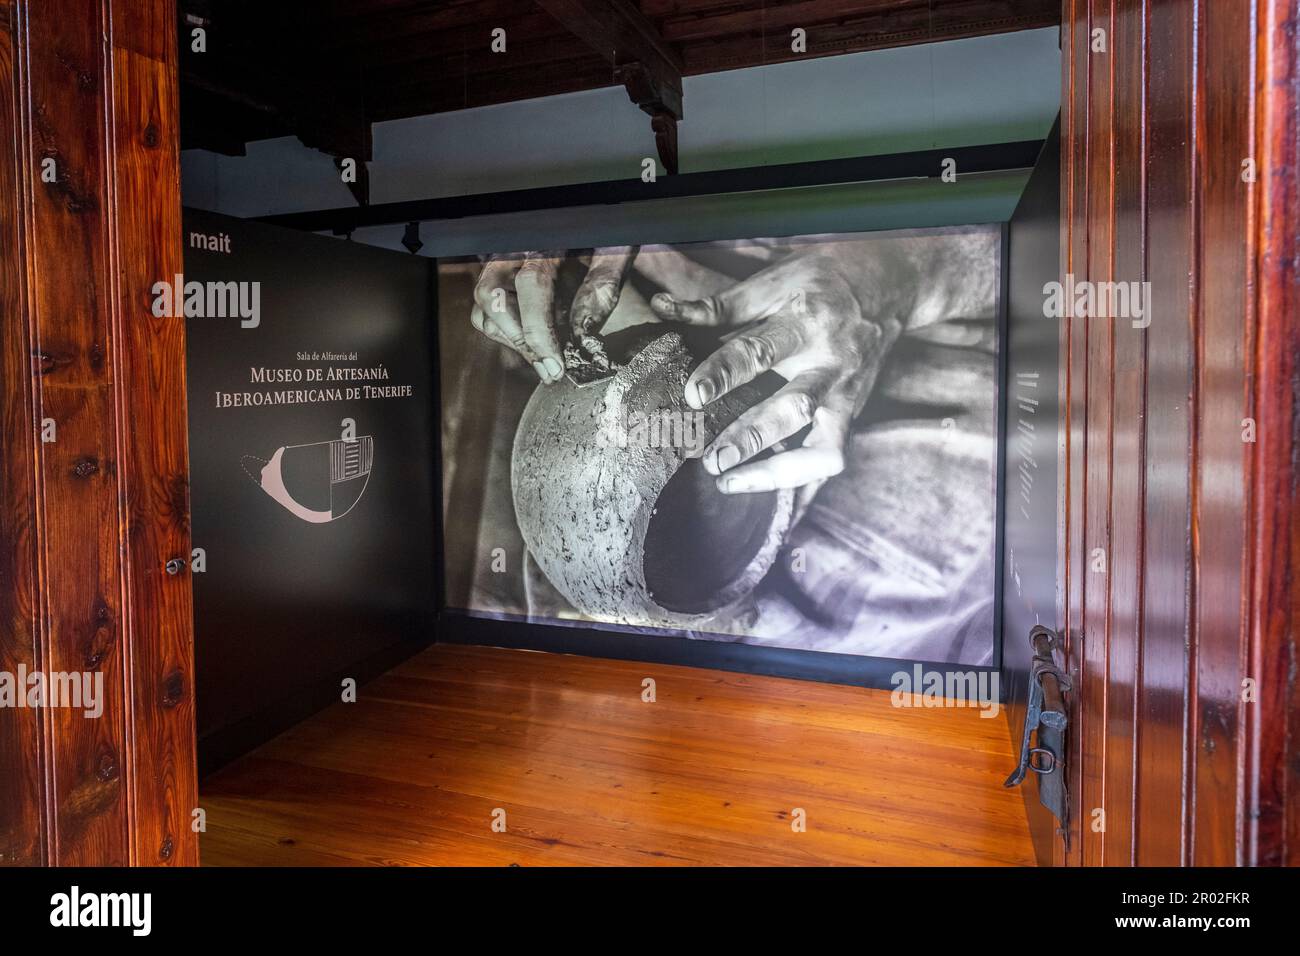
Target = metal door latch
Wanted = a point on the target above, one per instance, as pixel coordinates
(1045, 720)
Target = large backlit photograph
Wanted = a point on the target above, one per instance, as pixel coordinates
(782, 442)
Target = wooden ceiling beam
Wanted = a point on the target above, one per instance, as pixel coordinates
(940, 19)
(655, 9)
(616, 30)
(354, 10)
(777, 19)
(835, 39)
(649, 69)
(524, 32)
(453, 67)
(480, 15)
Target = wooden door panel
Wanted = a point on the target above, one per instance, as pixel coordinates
(1166, 565)
(1181, 703)
(99, 510)
(1128, 400)
(1097, 336)
(22, 741)
(1074, 344)
(1225, 336)
(155, 460)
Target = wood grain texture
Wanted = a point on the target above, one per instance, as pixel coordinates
(1128, 404)
(70, 293)
(589, 773)
(152, 436)
(1225, 332)
(1184, 721)
(89, 93)
(1074, 400)
(1099, 334)
(1161, 742)
(23, 753)
(1272, 824)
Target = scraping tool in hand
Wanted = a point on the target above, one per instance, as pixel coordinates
(586, 362)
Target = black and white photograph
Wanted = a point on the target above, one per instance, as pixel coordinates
(781, 442)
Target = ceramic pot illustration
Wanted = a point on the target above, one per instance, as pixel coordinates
(320, 482)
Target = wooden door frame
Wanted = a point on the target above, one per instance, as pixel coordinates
(1185, 715)
(90, 221)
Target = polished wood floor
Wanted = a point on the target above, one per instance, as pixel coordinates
(586, 772)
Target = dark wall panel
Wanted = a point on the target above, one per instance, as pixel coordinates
(318, 549)
(1029, 579)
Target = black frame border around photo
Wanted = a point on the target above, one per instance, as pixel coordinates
(594, 639)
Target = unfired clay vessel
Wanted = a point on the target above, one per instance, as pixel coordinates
(639, 534)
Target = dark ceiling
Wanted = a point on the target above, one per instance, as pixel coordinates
(324, 70)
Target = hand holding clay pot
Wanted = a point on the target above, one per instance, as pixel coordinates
(622, 519)
(519, 302)
(803, 320)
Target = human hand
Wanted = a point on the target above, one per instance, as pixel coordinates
(515, 304)
(801, 319)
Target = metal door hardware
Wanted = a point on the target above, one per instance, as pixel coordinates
(1042, 744)
(175, 566)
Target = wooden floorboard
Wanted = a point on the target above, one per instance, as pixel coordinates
(590, 774)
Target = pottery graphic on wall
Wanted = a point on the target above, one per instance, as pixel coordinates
(319, 482)
(614, 505)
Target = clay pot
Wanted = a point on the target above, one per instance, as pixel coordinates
(620, 518)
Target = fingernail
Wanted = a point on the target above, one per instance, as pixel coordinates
(704, 392)
(663, 302)
(540, 369)
(553, 367)
(746, 484)
(728, 457)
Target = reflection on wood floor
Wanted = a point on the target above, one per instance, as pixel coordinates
(587, 772)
